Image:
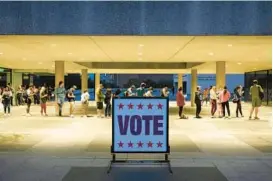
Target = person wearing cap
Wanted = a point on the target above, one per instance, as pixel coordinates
(71, 100)
(141, 90)
(255, 92)
(149, 93)
(198, 101)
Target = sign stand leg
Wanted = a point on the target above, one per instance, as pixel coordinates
(111, 162)
(169, 163)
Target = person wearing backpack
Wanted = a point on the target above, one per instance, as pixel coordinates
(257, 94)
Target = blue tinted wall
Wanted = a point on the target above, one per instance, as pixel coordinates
(136, 18)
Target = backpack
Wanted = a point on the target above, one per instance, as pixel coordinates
(261, 94)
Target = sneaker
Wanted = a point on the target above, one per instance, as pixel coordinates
(229, 117)
(242, 116)
(256, 118)
(212, 117)
(249, 118)
(198, 117)
(46, 115)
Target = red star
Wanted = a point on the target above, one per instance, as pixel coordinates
(150, 106)
(120, 106)
(130, 144)
(140, 106)
(159, 144)
(159, 106)
(150, 144)
(120, 144)
(140, 144)
(130, 106)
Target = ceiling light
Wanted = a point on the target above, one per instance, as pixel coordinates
(24, 59)
(141, 45)
(53, 45)
(229, 45)
(211, 54)
(40, 63)
(239, 63)
(69, 53)
(53, 66)
(254, 68)
(139, 53)
(1, 53)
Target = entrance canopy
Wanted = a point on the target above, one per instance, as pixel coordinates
(135, 54)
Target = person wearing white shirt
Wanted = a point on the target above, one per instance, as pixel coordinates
(213, 100)
(85, 102)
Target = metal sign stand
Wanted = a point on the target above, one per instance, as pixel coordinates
(114, 160)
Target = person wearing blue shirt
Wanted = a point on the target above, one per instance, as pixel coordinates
(60, 96)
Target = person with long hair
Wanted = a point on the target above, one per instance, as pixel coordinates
(238, 96)
(30, 99)
(224, 97)
(213, 101)
(180, 100)
(60, 96)
(219, 104)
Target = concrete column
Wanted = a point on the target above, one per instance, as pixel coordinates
(84, 79)
(59, 72)
(97, 83)
(220, 74)
(193, 85)
(179, 80)
(17, 80)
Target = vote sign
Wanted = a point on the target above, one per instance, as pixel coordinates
(140, 125)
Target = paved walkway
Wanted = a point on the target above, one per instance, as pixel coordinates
(51, 148)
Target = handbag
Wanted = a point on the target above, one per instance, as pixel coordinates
(235, 99)
(261, 94)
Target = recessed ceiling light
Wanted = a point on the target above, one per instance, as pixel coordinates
(69, 53)
(140, 53)
(1, 53)
(141, 45)
(239, 63)
(40, 63)
(53, 45)
(211, 53)
(24, 59)
(229, 45)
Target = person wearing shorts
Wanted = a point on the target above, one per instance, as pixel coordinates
(99, 100)
(256, 101)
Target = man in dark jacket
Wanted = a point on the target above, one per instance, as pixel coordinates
(198, 101)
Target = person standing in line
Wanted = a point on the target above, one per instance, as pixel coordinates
(12, 92)
(164, 91)
(30, 99)
(130, 91)
(219, 103)
(238, 96)
(117, 93)
(85, 102)
(141, 90)
(60, 95)
(206, 96)
(99, 100)
(256, 93)
(107, 101)
(149, 93)
(43, 97)
(6, 96)
(198, 101)
(71, 100)
(180, 100)
(213, 101)
(224, 97)
(19, 95)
